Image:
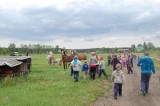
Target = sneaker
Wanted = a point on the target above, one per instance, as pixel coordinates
(144, 93)
(115, 97)
(147, 92)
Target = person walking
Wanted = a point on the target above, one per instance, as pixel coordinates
(129, 63)
(109, 59)
(147, 68)
(85, 68)
(93, 66)
(124, 60)
(76, 67)
(102, 68)
(120, 60)
(119, 79)
(114, 62)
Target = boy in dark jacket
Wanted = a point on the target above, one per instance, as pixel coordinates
(85, 69)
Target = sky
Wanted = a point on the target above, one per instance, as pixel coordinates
(80, 24)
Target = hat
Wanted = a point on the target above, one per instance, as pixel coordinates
(75, 57)
(92, 53)
(118, 65)
(101, 58)
(146, 53)
(85, 61)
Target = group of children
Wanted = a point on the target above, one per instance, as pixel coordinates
(87, 68)
(117, 74)
(125, 60)
(117, 63)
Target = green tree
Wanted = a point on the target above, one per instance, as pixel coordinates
(151, 46)
(12, 48)
(56, 49)
(23, 48)
(133, 48)
(145, 46)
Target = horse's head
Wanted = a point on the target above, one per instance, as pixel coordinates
(63, 53)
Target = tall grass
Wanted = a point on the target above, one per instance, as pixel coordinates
(49, 85)
(156, 54)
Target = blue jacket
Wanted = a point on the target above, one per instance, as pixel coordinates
(147, 65)
(85, 67)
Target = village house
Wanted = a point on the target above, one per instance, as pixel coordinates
(14, 65)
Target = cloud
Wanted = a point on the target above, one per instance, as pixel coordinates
(71, 19)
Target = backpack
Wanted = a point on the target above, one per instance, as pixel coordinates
(93, 66)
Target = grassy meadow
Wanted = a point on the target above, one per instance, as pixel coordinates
(51, 86)
(156, 54)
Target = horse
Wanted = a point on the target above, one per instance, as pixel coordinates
(53, 60)
(80, 56)
(66, 59)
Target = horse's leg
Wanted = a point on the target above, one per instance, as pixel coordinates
(64, 65)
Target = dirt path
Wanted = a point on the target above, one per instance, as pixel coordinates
(132, 96)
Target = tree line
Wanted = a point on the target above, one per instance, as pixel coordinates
(145, 47)
(31, 48)
(41, 49)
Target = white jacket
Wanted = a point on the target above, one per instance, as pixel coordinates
(118, 76)
(76, 66)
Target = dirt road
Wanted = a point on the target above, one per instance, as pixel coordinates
(131, 94)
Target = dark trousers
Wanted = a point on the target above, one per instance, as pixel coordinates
(117, 89)
(76, 75)
(71, 71)
(102, 71)
(92, 73)
(129, 68)
(109, 62)
(145, 78)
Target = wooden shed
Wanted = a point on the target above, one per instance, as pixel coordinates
(14, 65)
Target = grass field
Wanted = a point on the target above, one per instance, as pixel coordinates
(51, 86)
(156, 54)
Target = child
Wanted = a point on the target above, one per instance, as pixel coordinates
(102, 68)
(85, 69)
(129, 64)
(120, 60)
(76, 66)
(124, 60)
(118, 78)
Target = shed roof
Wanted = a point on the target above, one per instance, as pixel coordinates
(12, 61)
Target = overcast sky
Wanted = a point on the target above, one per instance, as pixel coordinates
(80, 23)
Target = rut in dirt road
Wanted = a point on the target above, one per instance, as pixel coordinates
(131, 94)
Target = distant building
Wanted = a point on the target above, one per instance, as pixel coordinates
(139, 48)
(14, 65)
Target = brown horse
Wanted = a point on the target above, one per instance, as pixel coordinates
(66, 59)
(80, 56)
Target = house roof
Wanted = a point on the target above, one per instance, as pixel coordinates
(12, 61)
